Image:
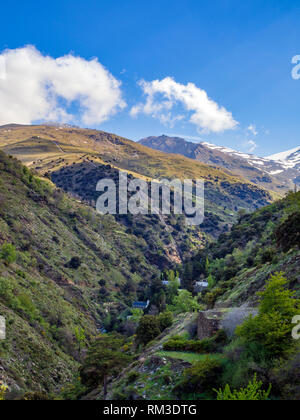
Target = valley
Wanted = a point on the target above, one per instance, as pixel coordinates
(69, 277)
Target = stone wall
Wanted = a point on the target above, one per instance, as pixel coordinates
(208, 324)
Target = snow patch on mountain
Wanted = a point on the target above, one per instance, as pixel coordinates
(251, 159)
(290, 158)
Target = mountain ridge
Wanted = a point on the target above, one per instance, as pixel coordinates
(268, 173)
(50, 149)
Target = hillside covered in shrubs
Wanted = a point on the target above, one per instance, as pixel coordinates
(68, 280)
(63, 269)
(241, 261)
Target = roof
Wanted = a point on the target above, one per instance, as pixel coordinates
(202, 283)
(166, 282)
(141, 305)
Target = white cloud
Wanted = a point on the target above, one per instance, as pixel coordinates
(163, 95)
(252, 129)
(251, 146)
(37, 87)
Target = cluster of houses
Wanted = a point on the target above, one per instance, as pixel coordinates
(199, 287)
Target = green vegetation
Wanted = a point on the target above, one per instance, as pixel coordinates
(80, 337)
(151, 326)
(241, 261)
(208, 345)
(67, 274)
(272, 327)
(148, 329)
(75, 159)
(184, 302)
(200, 378)
(187, 357)
(8, 253)
(3, 390)
(53, 308)
(105, 358)
(252, 392)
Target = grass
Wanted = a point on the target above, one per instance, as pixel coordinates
(187, 357)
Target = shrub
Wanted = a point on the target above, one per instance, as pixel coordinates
(288, 233)
(7, 292)
(272, 327)
(74, 263)
(8, 253)
(252, 392)
(165, 320)
(35, 396)
(132, 377)
(28, 306)
(184, 302)
(148, 329)
(208, 345)
(3, 390)
(211, 297)
(199, 378)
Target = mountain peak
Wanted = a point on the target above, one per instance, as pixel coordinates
(278, 172)
(291, 158)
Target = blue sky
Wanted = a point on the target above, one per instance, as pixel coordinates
(239, 53)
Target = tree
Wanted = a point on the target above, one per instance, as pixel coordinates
(8, 253)
(184, 302)
(252, 392)
(171, 292)
(188, 276)
(165, 320)
(207, 266)
(80, 337)
(137, 314)
(156, 294)
(172, 287)
(211, 281)
(272, 327)
(129, 287)
(287, 234)
(148, 329)
(105, 358)
(74, 263)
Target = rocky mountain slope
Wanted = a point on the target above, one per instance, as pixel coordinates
(290, 158)
(76, 159)
(62, 267)
(68, 270)
(238, 265)
(260, 244)
(277, 173)
(289, 161)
